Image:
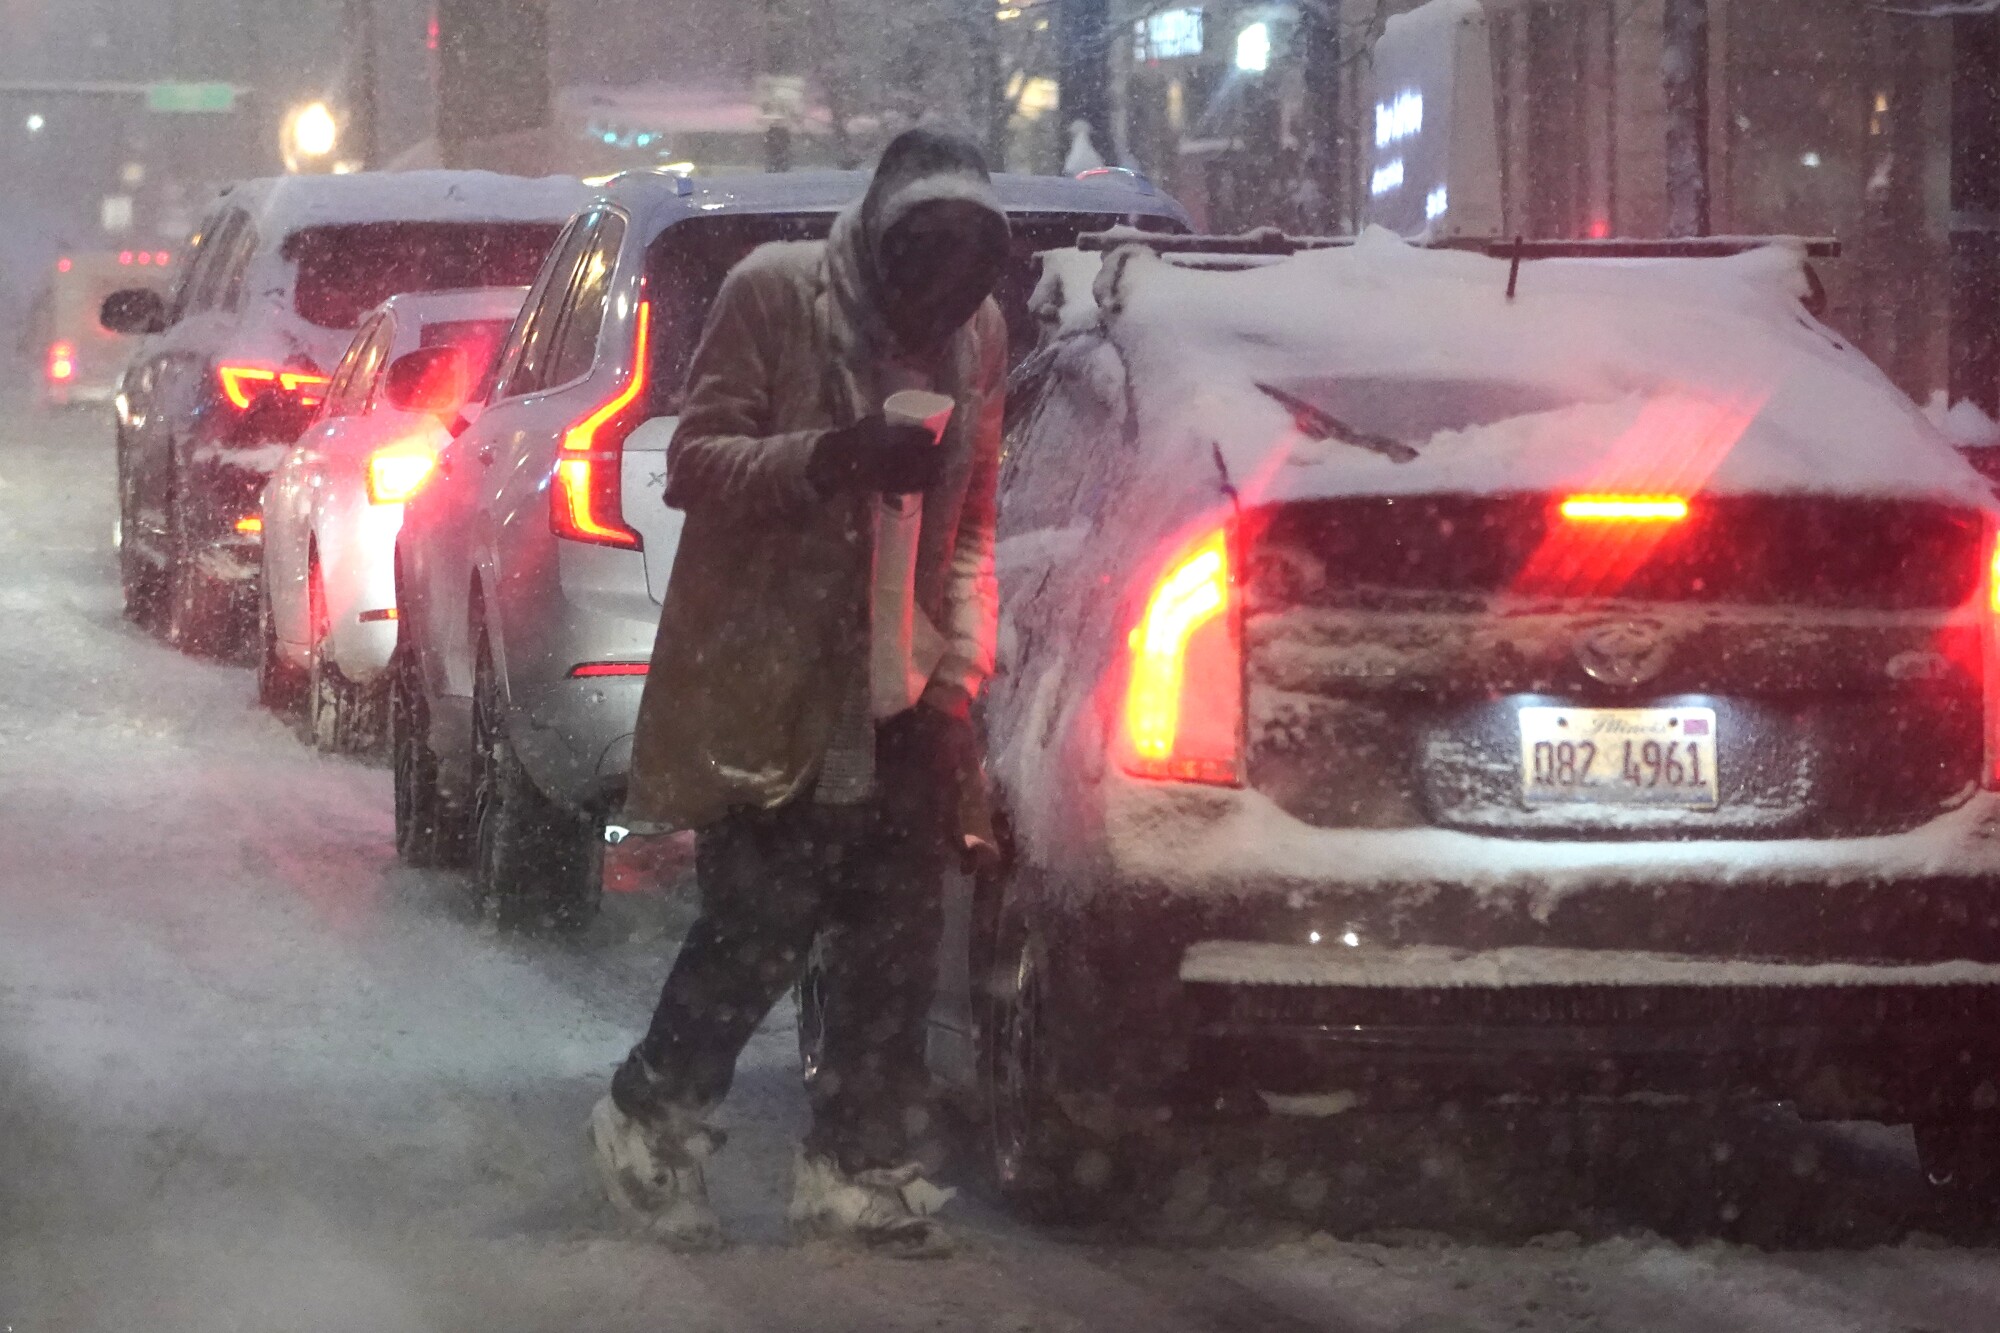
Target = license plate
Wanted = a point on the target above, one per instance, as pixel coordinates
(1649, 757)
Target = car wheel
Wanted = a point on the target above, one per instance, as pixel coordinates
(138, 577)
(201, 609)
(1045, 1165)
(1961, 1158)
(428, 831)
(330, 697)
(281, 687)
(536, 864)
(809, 997)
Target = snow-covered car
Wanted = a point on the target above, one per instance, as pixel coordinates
(1414, 693)
(531, 568)
(327, 618)
(236, 358)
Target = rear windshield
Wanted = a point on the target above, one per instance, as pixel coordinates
(479, 339)
(690, 260)
(346, 271)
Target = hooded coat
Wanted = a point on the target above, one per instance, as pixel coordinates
(765, 628)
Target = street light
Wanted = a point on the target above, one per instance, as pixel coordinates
(37, 122)
(310, 135)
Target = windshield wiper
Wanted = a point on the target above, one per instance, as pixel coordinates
(1320, 424)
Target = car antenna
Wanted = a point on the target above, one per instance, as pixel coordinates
(1514, 269)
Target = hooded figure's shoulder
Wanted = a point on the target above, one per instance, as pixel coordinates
(780, 263)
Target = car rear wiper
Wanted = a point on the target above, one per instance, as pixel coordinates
(1320, 424)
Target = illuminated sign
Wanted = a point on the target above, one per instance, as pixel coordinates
(1253, 48)
(1434, 168)
(1399, 119)
(1168, 35)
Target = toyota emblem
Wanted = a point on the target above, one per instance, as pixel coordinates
(1622, 652)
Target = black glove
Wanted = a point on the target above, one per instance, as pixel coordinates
(872, 455)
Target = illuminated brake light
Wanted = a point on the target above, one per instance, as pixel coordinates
(1625, 508)
(242, 384)
(588, 670)
(584, 502)
(1184, 699)
(250, 525)
(397, 473)
(62, 363)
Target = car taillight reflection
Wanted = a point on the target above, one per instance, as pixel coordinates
(398, 472)
(584, 502)
(62, 363)
(1991, 644)
(1184, 696)
(242, 384)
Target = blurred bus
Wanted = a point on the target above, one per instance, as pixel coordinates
(80, 358)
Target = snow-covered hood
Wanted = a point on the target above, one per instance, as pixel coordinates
(1644, 376)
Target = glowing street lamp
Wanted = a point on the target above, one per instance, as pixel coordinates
(310, 135)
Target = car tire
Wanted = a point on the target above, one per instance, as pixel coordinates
(1961, 1159)
(339, 717)
(1045, 1165)
(809, 999)
(138, 577)
(281, 687)
(536, 863)
(430, 833)
(201, 610)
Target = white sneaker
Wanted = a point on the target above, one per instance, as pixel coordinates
(654, 1176)
(888, 1209)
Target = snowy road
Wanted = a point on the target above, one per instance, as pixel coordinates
(255, 1076)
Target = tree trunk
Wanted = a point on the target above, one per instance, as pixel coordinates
(1083, 38)
(1684, 74)
(1323, 187)
(1975, 211)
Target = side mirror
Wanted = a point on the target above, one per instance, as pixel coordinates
(430, 379)
(273, 417)
(136, 310)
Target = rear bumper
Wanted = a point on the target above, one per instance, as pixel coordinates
(1390, 972)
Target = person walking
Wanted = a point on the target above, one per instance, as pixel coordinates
(830, 617)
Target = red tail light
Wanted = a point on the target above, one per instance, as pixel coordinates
(1184, 697)
(584, 501)
(1625, 509)
(1990, 642)
(62, 363)
(594, 670)
(242, 384)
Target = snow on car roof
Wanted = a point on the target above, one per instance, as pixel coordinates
(290, 202)
(829, 191)
(1385, 368)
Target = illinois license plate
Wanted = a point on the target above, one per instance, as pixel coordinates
(1652, 757)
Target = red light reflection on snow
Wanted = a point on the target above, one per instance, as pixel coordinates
(1671, 449)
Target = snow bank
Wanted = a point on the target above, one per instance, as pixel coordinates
(1962, 422)
(1614, 375)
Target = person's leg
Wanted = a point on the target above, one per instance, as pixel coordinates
(760, 907)
(882, 922)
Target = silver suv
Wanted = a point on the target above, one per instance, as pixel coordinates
(531, 568)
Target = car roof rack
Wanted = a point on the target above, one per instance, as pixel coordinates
(1269, 241)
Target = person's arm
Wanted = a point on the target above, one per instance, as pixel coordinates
(721, 454)
(972, 596)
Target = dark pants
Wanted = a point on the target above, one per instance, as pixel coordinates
(869, 879)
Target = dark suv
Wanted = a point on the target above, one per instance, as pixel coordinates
(236, 357)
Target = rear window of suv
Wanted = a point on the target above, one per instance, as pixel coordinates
(689, 261)
(345, 271)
